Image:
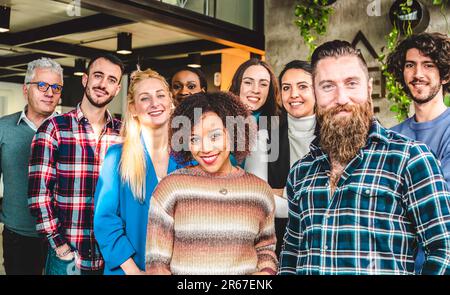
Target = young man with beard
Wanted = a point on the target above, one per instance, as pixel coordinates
(364, 195)
(421, 63)
(66, 155)
(24, 250)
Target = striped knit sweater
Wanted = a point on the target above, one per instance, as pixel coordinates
(204, 224)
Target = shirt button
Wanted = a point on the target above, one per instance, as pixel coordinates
(367, 191)
(325, 247)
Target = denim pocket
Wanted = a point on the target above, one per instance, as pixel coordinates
(57, 266)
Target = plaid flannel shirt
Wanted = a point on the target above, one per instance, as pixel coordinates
(63, 171)
(391, 196)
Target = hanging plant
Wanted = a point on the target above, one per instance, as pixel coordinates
(447, 100)
(312, 16)
(396, 94)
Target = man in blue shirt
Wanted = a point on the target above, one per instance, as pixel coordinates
(364, 196)
(421, 64)
(24, 250)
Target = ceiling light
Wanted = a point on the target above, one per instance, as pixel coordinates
(80, 67)
(194, 60)
(5, 17)
(124, 43)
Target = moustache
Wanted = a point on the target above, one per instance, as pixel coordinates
(101, 88)
(342, 108)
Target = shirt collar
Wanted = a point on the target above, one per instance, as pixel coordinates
(23, 117)
(81, 118)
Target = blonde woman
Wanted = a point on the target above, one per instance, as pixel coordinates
(130, 173)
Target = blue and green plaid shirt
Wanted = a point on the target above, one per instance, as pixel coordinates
(390, 197)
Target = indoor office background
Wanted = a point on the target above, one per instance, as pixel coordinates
(166, 34)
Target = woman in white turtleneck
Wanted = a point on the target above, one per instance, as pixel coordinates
(296, 132)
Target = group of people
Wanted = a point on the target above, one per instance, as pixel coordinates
(292, 175)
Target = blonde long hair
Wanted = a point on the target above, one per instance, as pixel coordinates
(132, 162)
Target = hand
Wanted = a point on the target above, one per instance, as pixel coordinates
(278, 191)
(64, 252)
(129, 267)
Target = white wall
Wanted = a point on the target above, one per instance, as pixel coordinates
(14, 97)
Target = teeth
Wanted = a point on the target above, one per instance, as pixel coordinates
(296, 103)
(209, 159)
(156, 113)
(253, 99)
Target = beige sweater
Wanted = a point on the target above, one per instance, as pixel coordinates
(203, 224)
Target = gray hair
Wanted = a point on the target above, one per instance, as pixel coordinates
(46, 63)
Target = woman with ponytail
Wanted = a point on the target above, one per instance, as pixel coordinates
(130, 173)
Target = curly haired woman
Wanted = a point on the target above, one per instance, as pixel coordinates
(213, 218)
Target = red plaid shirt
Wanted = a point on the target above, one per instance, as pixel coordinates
(64, 166)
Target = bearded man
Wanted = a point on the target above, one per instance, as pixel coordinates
(421, 64)
(364, 196)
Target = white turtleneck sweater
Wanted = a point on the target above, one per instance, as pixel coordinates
(301, 134)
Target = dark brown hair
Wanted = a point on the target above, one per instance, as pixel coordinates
(434, 45)
(224, 105)
(109, 57)
(336, 48)
(273, 102)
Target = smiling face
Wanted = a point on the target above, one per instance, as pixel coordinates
(42, 103)
(209, 144)
(297, 93)
(151, 103)
(185, 83)
(255, 87)
(341, 83)
(422, 77)
(103, 82)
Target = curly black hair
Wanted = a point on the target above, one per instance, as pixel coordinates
(434, 45)
(225, 105)
(201, 76)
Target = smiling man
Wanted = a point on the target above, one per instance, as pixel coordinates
(66, 155)
(421, 63)
(24, 250)
(364, 195)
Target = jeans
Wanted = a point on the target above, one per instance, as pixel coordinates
(23, 255)
(420, 260)
(57, 266)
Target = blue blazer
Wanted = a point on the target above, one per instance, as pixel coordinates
(120, 221)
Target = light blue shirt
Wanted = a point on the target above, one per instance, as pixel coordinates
(435, 134)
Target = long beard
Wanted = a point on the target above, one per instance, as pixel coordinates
(342, 137)
(93, 102)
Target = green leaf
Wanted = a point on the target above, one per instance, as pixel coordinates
(447, 100)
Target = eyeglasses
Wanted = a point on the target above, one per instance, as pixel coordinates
(43, 86)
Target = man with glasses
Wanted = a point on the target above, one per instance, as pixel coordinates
(66, 155)
(24, 250)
